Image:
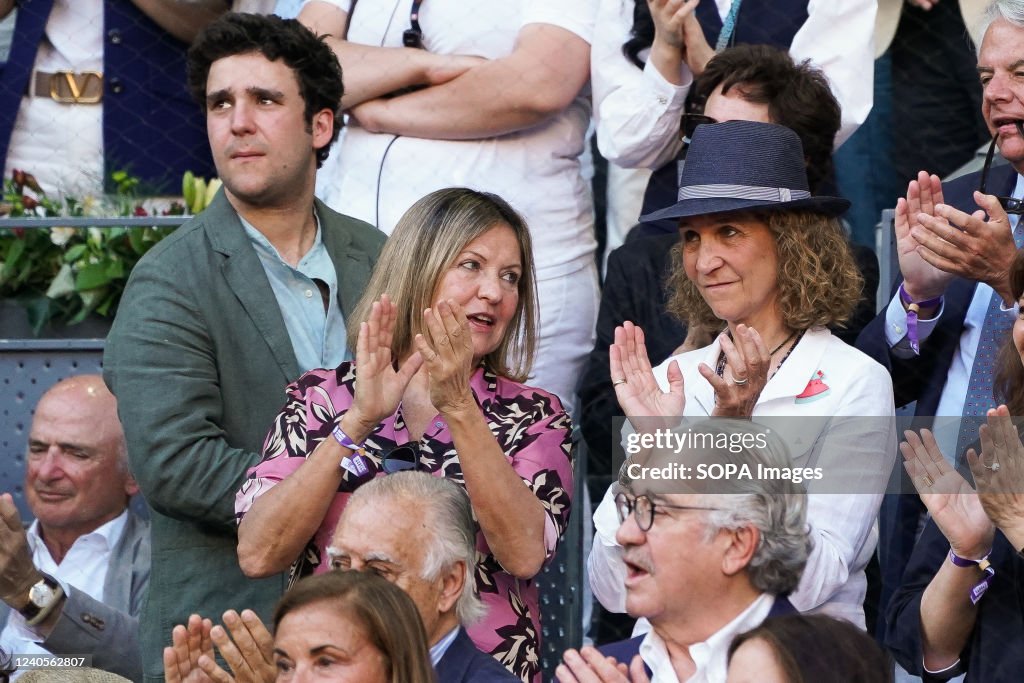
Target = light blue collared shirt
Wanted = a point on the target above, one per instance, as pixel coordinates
(317, 336)
(437, 650)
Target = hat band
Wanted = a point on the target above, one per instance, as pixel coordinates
(768, 194)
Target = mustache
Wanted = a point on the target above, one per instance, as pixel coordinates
(643, 563)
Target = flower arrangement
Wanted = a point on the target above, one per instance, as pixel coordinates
(64, 274)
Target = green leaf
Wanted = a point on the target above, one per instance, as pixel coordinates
(91, 276)
(136, 238)
(74, 253)
(13, 255)
(63, 284)
(38, 312)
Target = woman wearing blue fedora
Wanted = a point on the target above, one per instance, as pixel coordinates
(767, 264)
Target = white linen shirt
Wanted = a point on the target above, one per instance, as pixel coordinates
(62, 144)
(377, 176)
(842, 526)
(84, 566)
(710, 656)
(637, 111)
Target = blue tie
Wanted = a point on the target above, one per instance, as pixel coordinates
(994, 332)
(728, 26)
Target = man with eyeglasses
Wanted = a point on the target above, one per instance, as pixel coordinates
(940, 334)
(706, 559)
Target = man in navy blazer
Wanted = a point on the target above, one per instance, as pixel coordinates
(437, 570)
(705, 560)
(952, 259)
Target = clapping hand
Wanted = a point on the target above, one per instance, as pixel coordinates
(999, 474)
(588, 665)
(953, 504)
(248, 651)
(748, 362)
(636, 388)
(922, 279)
(447, 350)
(379, 386)
(17, 572)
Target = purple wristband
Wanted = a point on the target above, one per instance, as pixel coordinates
(913, 308)
(983, 564)
(355, 465)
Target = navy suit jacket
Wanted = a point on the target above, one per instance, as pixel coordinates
(151, 126)
(922, 379)
(625, 650)
(464, 663)
(992, 652)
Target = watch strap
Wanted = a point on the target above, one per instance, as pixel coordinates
(35, 613)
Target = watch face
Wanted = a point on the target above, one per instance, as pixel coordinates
(42, 594)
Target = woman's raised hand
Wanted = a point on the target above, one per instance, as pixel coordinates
(447, 350)
(379, 386)
(999, 472)
(748, 360)
(953, 504)
(636, 388)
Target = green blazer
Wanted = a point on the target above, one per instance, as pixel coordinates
(199, 359)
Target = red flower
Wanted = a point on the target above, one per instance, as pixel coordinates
(28, 202)
(139, 211)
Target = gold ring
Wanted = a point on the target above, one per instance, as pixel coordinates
(926, 481)
(617, 382)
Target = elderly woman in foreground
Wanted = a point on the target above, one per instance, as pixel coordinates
(768, 264)
(447, 336)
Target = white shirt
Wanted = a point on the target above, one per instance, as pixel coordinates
(438, 649)
(84, 567)
(710, 656)
(954, 392)
(637, 111)
(536, 170)
(62, 144)
(861, 450)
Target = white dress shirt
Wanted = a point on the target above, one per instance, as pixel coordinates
(710, 656)
(861, 450)
(637, 110)
(84, 567)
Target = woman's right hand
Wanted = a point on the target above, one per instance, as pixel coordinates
(953, 504)
(668, 17)
(636, 388)
(378, 386)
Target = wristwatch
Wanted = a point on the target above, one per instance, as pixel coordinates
(43, 597)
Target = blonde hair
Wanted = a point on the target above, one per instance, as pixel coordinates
(423, 246)
(818, 279)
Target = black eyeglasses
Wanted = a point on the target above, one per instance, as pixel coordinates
(401, 458)
(688, 124)
(1009, 204)
(643, 509)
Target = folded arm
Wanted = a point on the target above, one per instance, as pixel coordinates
(183, 20)
(540, 78)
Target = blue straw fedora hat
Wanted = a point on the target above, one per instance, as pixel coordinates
(745, 165)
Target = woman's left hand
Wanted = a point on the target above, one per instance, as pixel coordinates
(447, 350)
(999, 473)
(748, 362)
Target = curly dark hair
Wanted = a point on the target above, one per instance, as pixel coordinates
(818, 279)
(1008, 384)
(316, 67)
(797, 97)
